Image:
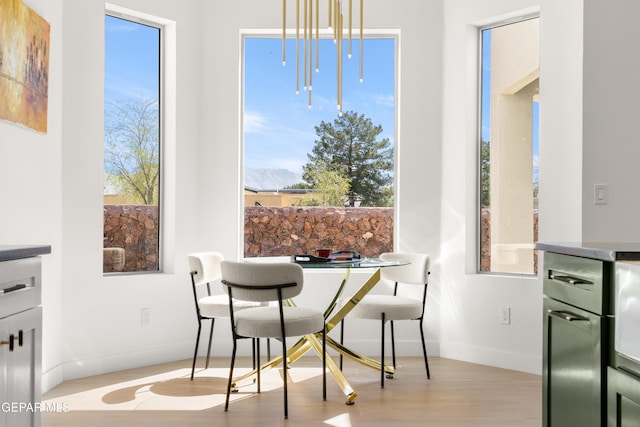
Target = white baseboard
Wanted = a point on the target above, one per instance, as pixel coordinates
(118, 362)
(492, 357)
(75, 369)
(51, 378)
(152, 356)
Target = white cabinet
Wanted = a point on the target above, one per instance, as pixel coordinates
(20, 335)
(20, 368)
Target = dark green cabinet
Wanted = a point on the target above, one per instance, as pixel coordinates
(575, 342)
(587, 381)
(623, 399)
(573, 375)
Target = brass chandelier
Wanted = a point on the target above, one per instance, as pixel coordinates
(311, 31)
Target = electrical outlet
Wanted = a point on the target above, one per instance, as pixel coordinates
(505, 315)
(145, 316)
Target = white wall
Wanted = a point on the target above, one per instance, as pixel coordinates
(560, 197)
(101, 315)
(589, 120)
(92, 323)
(31, 186)
(610, 117)
(469, 302)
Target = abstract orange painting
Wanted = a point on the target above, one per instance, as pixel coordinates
(24, 65)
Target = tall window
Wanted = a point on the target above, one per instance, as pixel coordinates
(132, 143)
(509, 147)
(314, 178)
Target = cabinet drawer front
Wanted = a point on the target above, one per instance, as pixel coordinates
(572, 377)
(581, 282)
(20, 285)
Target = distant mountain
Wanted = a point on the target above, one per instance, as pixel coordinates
(270, 179)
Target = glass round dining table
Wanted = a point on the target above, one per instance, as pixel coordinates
(314, 341)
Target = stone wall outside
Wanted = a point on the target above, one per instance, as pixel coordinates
(135, 229)
(269, 231)
(277, 231)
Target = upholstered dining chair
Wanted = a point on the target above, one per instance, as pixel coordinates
(395, 307)
(204, 268)
(270, 283)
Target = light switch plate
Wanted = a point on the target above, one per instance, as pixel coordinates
(600, 194)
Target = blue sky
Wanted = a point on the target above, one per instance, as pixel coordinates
(131, 60)
(279, 126)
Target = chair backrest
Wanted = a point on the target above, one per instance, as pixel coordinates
(415, 273)
(205, 266)
(263, 275)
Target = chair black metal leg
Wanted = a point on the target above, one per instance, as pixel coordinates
(206, 366)
(233, 361)
(382, 356)
(268, 348)
(195, 353)
(424, 350)
(253, 353)
(393, 345)
(257, 360)
(284, 374)
(341, 340)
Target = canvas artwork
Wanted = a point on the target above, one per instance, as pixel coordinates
(24, 65)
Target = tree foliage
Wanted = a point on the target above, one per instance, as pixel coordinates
(349, 147)
(330, 183)
(485, 176)
(299, 186)
(132, 151)
(485, 173)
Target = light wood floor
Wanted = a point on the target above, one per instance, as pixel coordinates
(458, 394)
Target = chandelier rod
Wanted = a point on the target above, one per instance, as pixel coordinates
(335, 22)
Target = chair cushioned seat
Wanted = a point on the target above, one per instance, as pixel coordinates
(218, 306)
(264, 322)
(394, 308)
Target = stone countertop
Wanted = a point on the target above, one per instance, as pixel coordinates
(10, 252)
(605, 251)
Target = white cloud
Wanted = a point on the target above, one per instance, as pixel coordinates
(254, 122)
(116, 85)
(384, 100)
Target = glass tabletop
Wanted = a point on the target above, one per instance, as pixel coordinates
(364, 262)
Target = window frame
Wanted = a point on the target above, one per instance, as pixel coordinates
(478, 210)
(161, 25)
(325, 34)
